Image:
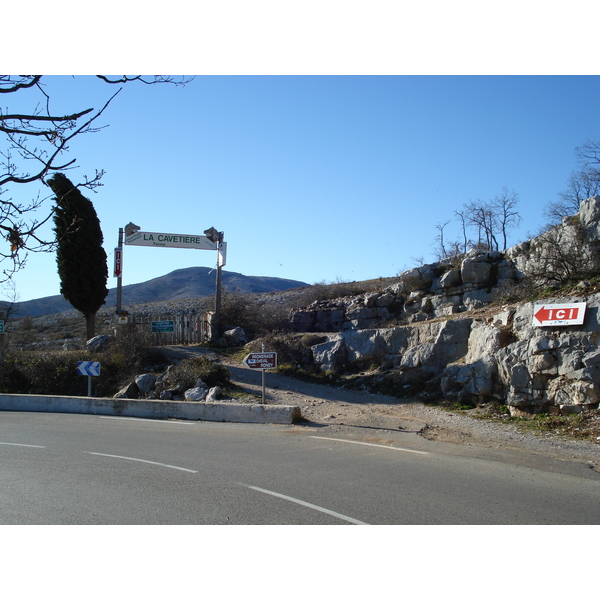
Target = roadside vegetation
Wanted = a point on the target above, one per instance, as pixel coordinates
(583, 426)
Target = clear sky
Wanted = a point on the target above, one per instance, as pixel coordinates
(317, 177)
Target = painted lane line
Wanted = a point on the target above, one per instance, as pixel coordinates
(307, 504)
(149, 420)
(22, 445)
(318, 437)
(150, 462)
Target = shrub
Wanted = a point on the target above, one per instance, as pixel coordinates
(133, 348)
(255, 316)
(12, 378)
(43, 373)
(321, 292)
(291, 349)
(188, 371)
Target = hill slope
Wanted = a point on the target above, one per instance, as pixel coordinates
(193, 282)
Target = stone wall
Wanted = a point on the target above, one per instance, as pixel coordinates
(500, 357)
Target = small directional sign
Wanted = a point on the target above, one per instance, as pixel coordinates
(261, 360)
(545, 315)
(88, 367)
(162, 326)
(118, 262)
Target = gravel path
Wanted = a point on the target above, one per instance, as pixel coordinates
(376, 416)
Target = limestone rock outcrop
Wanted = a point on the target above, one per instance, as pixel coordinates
(501, 356)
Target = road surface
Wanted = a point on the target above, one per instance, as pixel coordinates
(87, 469)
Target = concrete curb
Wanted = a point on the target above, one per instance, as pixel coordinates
(152, 409)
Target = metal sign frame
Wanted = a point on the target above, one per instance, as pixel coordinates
(132, 236)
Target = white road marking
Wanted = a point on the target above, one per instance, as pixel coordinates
(149, 420)
(318, 437)
(23, 445)
(307, 504)
(150, 462)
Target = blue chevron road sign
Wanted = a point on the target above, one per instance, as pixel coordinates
(88, 367)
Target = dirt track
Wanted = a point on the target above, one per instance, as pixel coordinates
(379, 417)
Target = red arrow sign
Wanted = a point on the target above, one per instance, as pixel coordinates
(118, 262)
(559, 314)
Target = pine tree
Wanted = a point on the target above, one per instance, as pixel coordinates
(80, 257)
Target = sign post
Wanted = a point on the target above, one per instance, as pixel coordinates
(262, 361)
(89, 368)
(119, 270)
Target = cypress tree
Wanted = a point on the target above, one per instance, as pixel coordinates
(80, 257)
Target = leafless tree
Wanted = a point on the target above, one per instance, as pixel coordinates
(490, 221)
(504, 209)
(461, 215)
(439, 240)
(481, 216)
(582, 184)
(33, 144)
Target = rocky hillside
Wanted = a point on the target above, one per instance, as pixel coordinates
(432, 327)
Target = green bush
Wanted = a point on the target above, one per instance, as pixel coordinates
(43, 373)
(12, 378)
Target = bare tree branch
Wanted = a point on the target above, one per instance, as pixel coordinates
(582, 184)
(33, 144)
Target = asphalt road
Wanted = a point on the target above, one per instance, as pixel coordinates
(86, 469)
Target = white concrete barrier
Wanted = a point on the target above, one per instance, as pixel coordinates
(153, 409)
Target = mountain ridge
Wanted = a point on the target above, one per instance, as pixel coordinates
(191, 282)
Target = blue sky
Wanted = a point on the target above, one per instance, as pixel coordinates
(318, 178)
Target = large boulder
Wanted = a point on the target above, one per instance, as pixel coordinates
(215, 393)
(235, 336)
(99, 343)
(196, 394)
(476, 270)
(450, 279)
(419, 278)
(145, 382)
(130, 391)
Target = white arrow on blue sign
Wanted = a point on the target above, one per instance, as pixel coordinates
(88, 367)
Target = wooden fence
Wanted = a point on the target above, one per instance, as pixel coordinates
(175, 329)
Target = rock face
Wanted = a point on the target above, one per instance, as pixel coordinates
(442, 289)
(504, 357)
